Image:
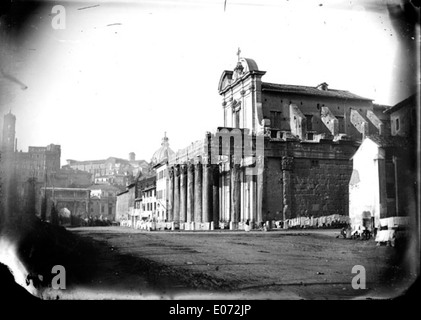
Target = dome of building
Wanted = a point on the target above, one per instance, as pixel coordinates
(163, 153)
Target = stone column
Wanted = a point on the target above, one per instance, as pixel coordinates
(252, 199)
(207, 194)
(215, 194)
(227, 197)
(397, 195)
(176, 212)
(286, 165)
(170, 194)
(190, 192)
(382, 188)
(183, 192)
(198, 193)
(259, 192)
(235, 193)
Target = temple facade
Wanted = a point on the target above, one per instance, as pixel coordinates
(284, 151)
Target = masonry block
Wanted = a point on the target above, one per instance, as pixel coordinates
(359, 123)
(298, 122)
(375, 121)
(330, 121)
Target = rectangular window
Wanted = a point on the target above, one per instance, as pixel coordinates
(273, 134)
(309, 121)
(236, 119)
(397, 124)
(341, 124)
(275, 119)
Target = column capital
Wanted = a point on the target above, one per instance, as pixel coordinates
(206, 165)
(171, 172)
(177, 170)
(198, 165)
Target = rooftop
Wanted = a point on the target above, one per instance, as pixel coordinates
(410, 101)
(389, 141)
(120, 160)
(104, 187)
(312, 91)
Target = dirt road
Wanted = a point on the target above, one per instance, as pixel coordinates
(294, 264)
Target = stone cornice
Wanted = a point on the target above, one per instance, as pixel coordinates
(241, 79)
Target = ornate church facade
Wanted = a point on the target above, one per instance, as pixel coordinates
(283, 151)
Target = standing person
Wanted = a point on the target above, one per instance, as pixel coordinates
(247, 226)
(348, 231)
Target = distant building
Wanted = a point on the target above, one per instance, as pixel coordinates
(149, 201)
(160, 164)
(103, 201)
(125, 203)
(70, 178)
(17, 167)
(403, 118)
(138, 201)
(72, 204)
(383, 181)
(40, 165)
(141, 166)
(112, 170)
(8, 142)
(35, 163)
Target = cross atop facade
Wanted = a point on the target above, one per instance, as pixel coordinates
(238, 53)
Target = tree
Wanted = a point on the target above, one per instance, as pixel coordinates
(44, 209)
(30, 197)
(54, 214)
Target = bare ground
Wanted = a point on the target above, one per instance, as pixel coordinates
(123, 263)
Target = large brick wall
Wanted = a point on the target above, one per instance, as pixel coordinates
(274, 189)
(320, 187)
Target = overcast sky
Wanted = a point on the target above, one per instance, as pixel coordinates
(121, 74)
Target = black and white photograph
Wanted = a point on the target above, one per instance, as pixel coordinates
(218, 150)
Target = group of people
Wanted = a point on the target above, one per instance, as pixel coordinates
(96, 221)
(362, 232)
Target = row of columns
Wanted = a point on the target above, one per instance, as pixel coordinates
(193, 193)
(241, 196)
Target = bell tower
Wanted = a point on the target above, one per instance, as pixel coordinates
(8, 138)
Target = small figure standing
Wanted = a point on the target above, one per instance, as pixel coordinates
(247, 226)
